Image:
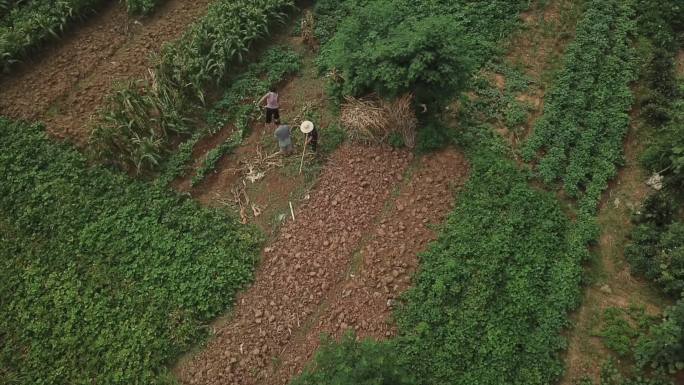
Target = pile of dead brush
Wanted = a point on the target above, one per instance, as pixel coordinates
(372, 119)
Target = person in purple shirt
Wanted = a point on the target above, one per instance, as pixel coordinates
(272, 106)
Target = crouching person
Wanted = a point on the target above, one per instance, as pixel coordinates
(282, 134)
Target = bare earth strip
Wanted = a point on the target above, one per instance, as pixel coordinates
(307, 282)
(388, 258)
(65, 85)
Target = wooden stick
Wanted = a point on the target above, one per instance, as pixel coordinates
(292, 211)
(301, 164)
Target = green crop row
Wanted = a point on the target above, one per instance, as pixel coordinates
(6, 6)
(492, 295)
(579, 138)
(25, 25)
(25, 28)
(136, 124)
(104, 279)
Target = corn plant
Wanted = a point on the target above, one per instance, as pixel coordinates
(141, 7)
(163, 105)
(36, 22)
(7, 6)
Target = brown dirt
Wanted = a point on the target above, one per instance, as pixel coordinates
(388, 258)
(307, 282)
(68, 82)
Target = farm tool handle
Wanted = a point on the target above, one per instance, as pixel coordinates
(301, 164)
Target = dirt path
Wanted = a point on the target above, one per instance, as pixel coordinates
(366, 209)
(67, 82)
(612, 283)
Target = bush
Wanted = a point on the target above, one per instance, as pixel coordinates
(432, 135)
(381, 50)
(666, 154)
(657, 247)
(617, 333)
(663, 347)
(351, 362)
(331, 138)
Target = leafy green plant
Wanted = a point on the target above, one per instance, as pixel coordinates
(7, 6)
(104, 279)
(618, 335)
(212, 158)
(395, 140)
(663, 346)
(666, 154)
(141, 7)
(352, 362)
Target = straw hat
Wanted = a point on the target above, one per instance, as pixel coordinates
(306, 127)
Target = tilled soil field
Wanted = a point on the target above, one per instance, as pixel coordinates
(67, 82)
(372, 207)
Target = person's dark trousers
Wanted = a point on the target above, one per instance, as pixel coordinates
(272, 113)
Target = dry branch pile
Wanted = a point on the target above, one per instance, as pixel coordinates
(372, 119)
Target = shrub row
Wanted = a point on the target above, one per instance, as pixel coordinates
(104, 279)
(657, 248)
(579, 138)
(657, 239)
(135, 125)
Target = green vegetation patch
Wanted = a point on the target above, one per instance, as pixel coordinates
(493, 292)
(579, 138)
(104, 279)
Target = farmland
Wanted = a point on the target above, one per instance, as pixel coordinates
(517, 219)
